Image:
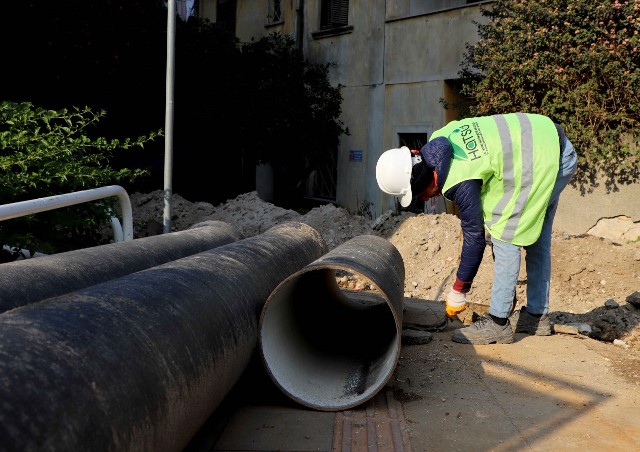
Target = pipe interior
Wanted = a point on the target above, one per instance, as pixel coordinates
(325, 348)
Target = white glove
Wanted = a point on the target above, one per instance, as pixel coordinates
(455, 303)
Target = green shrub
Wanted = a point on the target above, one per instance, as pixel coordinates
(577, 61)
(50, 152)
(292, 114)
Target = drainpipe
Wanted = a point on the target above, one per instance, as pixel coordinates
(300, 26)
(141, 362)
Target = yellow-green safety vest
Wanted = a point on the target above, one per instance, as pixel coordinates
(516, 156)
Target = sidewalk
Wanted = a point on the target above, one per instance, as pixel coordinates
(559, 392)
(540, 393)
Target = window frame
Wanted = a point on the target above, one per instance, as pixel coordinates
(338, 26)
(275, 14)
(334, 14)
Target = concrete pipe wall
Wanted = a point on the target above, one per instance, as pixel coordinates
(330, 349)
(141, 362)
(27, 281)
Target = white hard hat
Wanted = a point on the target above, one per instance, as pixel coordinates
(393, 173)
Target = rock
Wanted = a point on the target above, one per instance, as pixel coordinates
(620, 343)
(586, 270)
(382, 219)
(415, 337)
(619, 230)
(565, 329)
(634, 299)
(423, 315)
(573, 328)
(611, 304)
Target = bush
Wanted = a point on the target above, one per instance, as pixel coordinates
(291, 114)
(49, 152)
(577, 61)
(111, 55)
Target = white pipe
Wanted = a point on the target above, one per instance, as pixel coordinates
(118, 235)
(22, 208)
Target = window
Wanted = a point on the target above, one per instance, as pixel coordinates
(226, 15)
(413, 140)
(274, 14)
(334, 13)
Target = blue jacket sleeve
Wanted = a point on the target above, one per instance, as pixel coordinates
(466, 196)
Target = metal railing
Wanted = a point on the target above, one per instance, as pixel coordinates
(32, 206)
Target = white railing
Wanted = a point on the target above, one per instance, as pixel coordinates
(22, 208)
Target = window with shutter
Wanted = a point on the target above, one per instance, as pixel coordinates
(334, 13)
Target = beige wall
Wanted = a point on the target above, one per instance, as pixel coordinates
(393, 71)
(251, 18)
(352, 174)
(428, 47)
(392, 63)
(417, 62)
(207, 10)
(359, 64)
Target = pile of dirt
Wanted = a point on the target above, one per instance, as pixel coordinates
(595, 280)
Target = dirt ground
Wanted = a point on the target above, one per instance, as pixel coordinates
(595, 286)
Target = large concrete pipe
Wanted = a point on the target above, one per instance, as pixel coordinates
(30, 280)
(330, 349)
(141, 362)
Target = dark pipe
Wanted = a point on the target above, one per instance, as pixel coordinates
(141, 362)
(30, 280)
(331, 349)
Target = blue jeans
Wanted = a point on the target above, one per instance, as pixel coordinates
(506, 265)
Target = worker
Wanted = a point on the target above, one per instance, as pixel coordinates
(505, 174)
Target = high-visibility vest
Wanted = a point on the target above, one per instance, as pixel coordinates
(516, 156)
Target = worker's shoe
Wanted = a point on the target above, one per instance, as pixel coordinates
(523, 322)
(484, 331)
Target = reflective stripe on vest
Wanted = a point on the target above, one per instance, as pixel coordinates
(517, 157)
(526, 148)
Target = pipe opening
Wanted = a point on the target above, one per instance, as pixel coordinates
(326, 347)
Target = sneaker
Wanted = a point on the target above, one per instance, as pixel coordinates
(484, 331)
(523, 322)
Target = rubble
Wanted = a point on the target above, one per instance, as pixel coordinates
(595, 280)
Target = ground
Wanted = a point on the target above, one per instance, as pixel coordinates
(569, 391)
(595, 283)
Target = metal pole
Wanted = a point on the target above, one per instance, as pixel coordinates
(168, 122)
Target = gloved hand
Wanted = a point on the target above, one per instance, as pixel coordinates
(455, 303)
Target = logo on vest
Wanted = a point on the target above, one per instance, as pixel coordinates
(466, 144)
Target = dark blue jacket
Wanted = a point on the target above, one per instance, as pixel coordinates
(466, 196)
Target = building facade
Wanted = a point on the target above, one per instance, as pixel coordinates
(395, 59)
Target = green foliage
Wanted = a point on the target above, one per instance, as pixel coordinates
(232, 105)
(577, 61)
(50, 152)
(291, 112)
